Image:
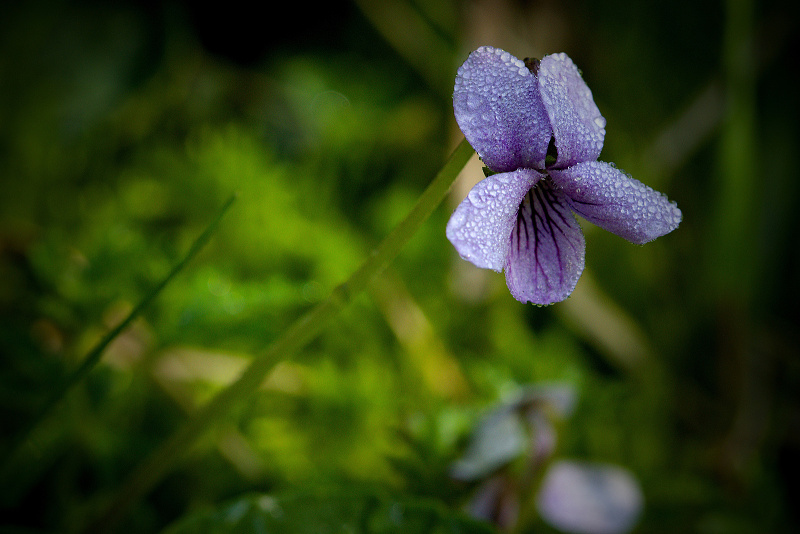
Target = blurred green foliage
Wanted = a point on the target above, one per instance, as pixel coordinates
(304, 513)
(124, 127)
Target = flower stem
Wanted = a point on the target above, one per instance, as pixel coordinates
(301, 332)
(93, 357)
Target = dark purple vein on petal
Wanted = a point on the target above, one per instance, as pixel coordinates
(548, 227)
(541, 212)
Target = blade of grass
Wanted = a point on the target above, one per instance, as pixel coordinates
(301, 332)
(93, 357)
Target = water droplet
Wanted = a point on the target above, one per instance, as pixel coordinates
(600, 122)
(476, 199)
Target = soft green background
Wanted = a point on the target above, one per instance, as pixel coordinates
(125, 127)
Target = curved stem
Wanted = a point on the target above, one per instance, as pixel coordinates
(93, 357)
(301, 332)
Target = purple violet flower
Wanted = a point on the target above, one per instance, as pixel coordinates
(536, 127)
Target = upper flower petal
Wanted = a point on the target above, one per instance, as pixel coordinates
(547, 249)
(498, 107)
(578, 126)
(607, 197)
(480, 227)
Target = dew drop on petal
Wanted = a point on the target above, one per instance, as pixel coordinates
(476, 199)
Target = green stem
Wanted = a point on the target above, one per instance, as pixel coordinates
(301, 332)
(733, 269)
(93, 357)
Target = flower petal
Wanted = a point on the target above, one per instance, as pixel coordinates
(607, 197)
(496, 441)
(546, 255)
(586, 498)
(480, 227)
(498, 107)
(578, 126)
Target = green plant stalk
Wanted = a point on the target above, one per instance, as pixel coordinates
(301, 332)
(734, 268)
(93, 357)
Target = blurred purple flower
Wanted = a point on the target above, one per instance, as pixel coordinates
(585, 498)
(536, 127)
(523, 423)
(521, 427)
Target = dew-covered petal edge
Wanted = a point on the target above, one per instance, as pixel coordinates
(612, 200)
(481, 225)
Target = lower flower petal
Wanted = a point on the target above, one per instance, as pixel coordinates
(609, 198)
(481, 225)
(546, 253)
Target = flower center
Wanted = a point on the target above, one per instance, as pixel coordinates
(532, 64)
(552, 153)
